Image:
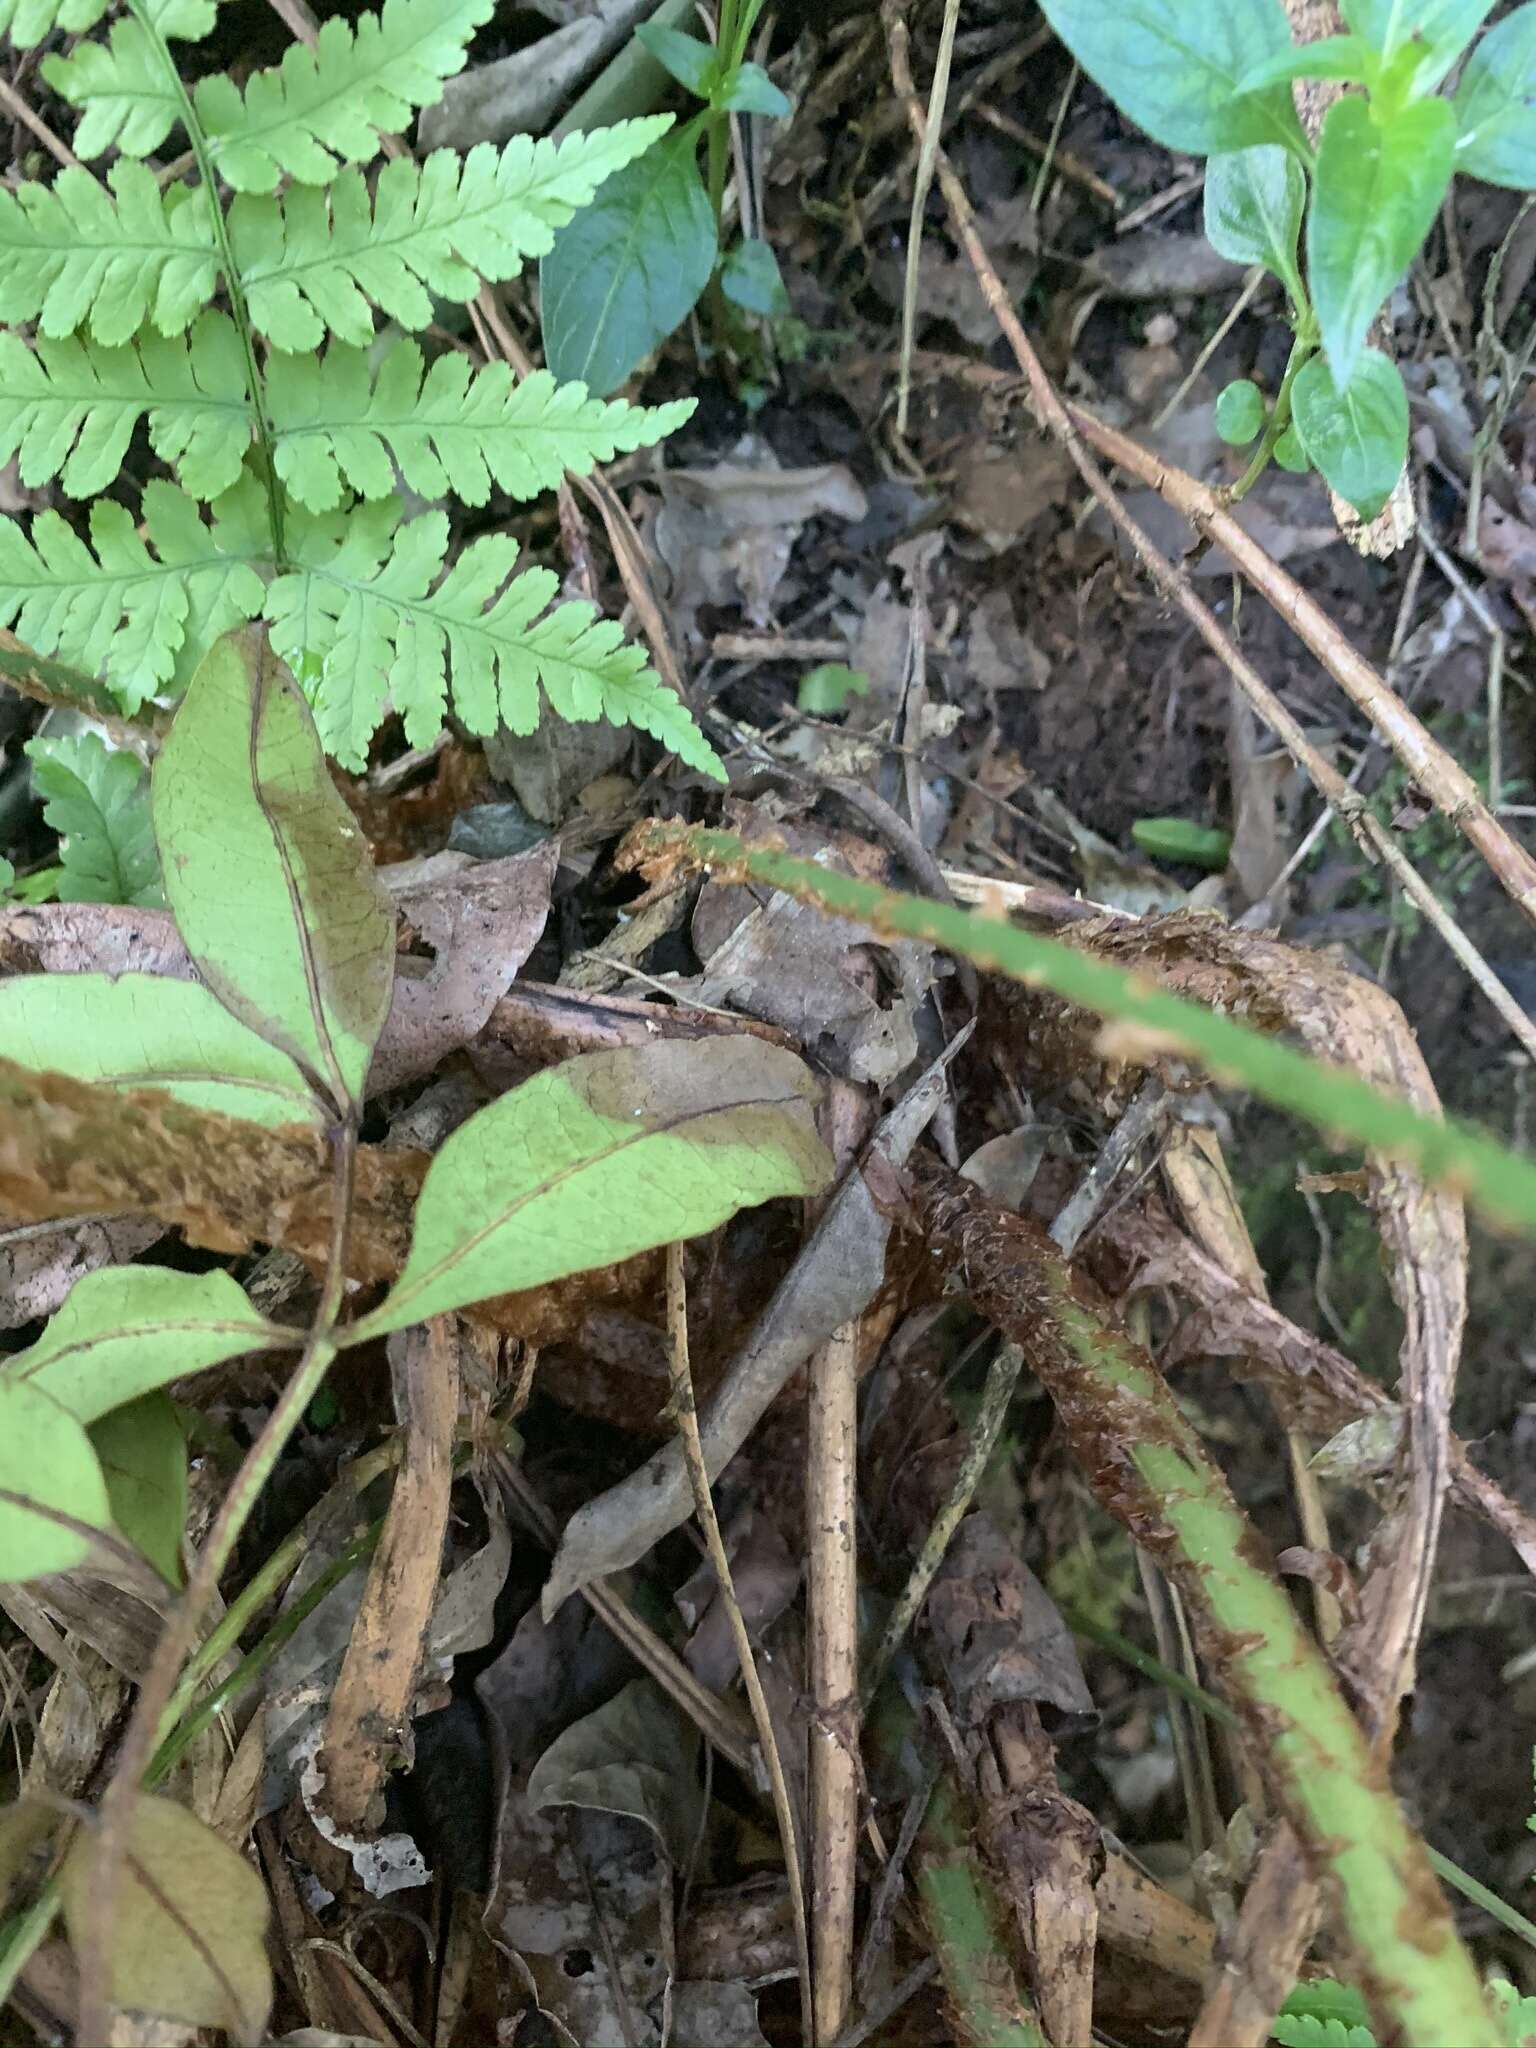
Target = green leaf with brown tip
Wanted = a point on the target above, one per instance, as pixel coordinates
(268, 877)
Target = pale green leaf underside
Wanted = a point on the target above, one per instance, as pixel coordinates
(97, 799)
(69, 408)
(142, 1451)
(333, 101)
(337, 425)
(246, 814)
(126, 1330)
(370, 615)
(602, 1157)
(52, 1494)
(315, 260)
(76, 253)
(147, 1031)
(138, 611)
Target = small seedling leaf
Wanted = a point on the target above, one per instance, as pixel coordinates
(1377, 190)
(1290, 453)
(829, 687)
(1443, 28)
(269, 878)
(1357, 437)
(752, 91)
(143, 1454)
(126, 1330)
(1176, 66)
(691, 62)
(1202, 846)
(1345, 57)
(1240, 412)
(147, 1031)
(629, 269)
(189, 1928)
(1254, 201)
(97, 799)
(1495, 129)
(750, 278)
(602, 1157)
(52, 1494)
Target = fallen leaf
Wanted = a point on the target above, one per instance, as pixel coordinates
(998, 1636)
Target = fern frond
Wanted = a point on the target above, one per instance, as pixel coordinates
(127, 98)
(69, 408)
(74, 254)
(446, 428)
(333, 101)
(97, 800)
(138, 611)
(316, 260)
(368, 616)
(27, 21)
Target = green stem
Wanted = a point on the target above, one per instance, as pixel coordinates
(965, 1919)
(237, 305)
(1302, 348)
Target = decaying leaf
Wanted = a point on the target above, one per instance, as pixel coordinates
(246, 814)
(189, 1930)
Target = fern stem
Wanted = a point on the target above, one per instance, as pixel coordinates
(238, 308)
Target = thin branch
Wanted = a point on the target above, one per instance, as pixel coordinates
(831, 1520)
(927, 155)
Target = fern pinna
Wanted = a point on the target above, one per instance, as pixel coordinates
(235, 313)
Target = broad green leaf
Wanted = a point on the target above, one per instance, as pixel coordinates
(138, 607)
(752, 91)
(340, 422)
(1346, 57)
(147, 1031)
(321, 258)
(76, 254)
(1495, 108)
(1254, 201)
(142, 1449)
(1442, 27)
(691, 62)
(269, 879)
(52, 1494)
(601, 1157)
(369, 609)
(629, 269)
(1358, 437)
(1240, 412)
(1375, 195)
(1175, 67)
(333, 101)
(127, 1330)
(750, 278)
(189, 1923)
(97, 800)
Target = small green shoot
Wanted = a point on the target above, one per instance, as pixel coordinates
(825, 691)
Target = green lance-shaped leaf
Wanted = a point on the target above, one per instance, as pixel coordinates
(1358, 437)
(602, 1157)
(1175, 67)
(127, 1330)
(52, 1494)
(268, 877)
(142, 1450)
(1254, 201)
(148, 1031)
(1501, 1182)
(189, 1923)
(1377, 189)
(1495, 127)
(629, 269)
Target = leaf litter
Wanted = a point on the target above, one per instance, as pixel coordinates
(454, 1742)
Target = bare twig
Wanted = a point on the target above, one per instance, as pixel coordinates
(928, 149)
(831, 1517)
(685, 1414)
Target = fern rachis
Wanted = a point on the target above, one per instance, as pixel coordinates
(234, 323)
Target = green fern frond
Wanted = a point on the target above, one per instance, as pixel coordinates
(314, 260)
(370, 618)
(447, 427)
(74, 254)
(97, 800)
(27, 21)
(139, 611)
(69, 408)
(127, 98)
(333, 101)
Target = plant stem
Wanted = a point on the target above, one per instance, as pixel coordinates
(1302, 348)
(239, 311)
